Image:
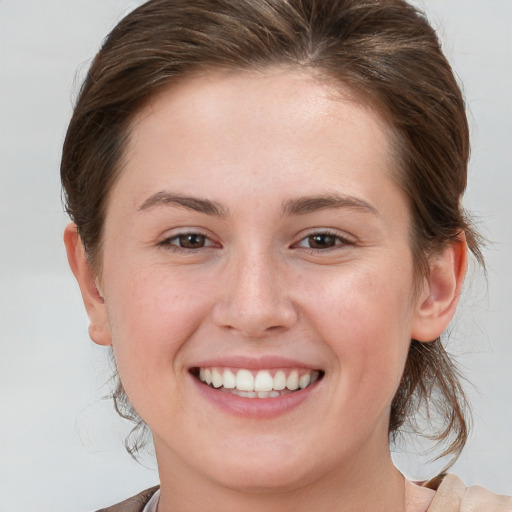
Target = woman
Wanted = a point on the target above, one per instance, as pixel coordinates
(267, 230)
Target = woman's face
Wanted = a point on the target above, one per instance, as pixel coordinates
(256, 237)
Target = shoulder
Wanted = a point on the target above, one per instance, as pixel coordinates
(453, 496)
(134, 504)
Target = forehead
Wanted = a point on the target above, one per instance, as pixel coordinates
(282, 129)
(261, 99)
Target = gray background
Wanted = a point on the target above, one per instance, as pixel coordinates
(60, 443)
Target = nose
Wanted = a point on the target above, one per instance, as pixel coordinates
(254, 297)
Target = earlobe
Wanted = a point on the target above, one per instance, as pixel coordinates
(438, 302)
(99, 327)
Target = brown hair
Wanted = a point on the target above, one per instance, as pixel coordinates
(383, 50)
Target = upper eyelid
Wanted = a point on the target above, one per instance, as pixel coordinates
(340, 244)
(176, 232)
(346, 237)
(166, 240)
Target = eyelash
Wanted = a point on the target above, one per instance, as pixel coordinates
(207, 242)
(168, 242)
(339, 241)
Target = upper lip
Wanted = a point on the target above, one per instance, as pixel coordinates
(253, 363)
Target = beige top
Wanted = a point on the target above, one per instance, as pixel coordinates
(451, 496)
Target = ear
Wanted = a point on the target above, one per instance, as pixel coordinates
(438, 301)
(99, 327)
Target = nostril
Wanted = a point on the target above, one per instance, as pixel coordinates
(254, 314)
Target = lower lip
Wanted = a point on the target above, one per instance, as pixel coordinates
(255, 407)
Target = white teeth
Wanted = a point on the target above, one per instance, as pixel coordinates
(229, 379)
(216, 378)
(244, 380)
(279, 381)
(260, 394)
(263, 381)
(292, 382)
(244, 394)
(258, 384)
(304, 381)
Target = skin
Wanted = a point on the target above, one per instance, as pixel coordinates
(255, 286)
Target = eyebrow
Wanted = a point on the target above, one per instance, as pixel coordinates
(191, 203)
(299, 206)
(310, 204)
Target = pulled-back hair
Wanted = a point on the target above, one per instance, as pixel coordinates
(384, 51)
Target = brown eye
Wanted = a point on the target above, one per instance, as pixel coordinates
(318, 241)
(187, 242)
(191, 241)
(322, 241)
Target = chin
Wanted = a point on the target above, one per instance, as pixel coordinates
(264, 479)
(265, 470)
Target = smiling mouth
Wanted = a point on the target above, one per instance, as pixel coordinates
(257, 383)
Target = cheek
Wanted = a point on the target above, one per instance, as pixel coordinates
(151, 317)
(366, 320)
